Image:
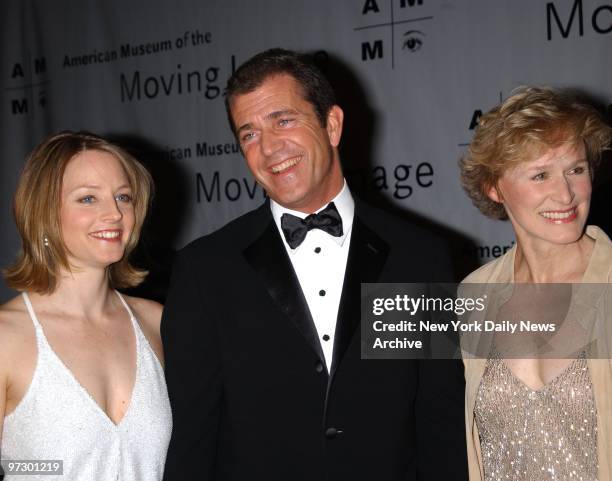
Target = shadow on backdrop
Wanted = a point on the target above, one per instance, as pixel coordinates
(155, 251)
(357, 153)
(601, 214)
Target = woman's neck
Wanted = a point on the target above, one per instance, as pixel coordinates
(84, 294)
(547, 262)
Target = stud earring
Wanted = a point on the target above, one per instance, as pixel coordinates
(46, 241)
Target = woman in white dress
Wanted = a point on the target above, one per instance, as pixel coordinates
(82, 389)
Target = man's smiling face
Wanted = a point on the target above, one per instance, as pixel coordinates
(292, 156)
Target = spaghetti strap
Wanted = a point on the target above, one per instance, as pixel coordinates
(28, 304)
(125, 304)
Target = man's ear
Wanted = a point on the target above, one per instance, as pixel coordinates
(335, 118)
(494, 194)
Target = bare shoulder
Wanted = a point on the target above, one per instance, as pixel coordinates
(148, 313)
(14, 319)
(16, 331)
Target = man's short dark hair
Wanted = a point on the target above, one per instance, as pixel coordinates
(252, 73)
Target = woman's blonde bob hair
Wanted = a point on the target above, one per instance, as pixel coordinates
(37, 205)
(528, 123)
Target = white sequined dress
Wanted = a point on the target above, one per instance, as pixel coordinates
(57, 419)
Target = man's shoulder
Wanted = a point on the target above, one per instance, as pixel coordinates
(416, 253)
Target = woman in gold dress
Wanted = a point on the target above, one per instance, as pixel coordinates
(531, 161)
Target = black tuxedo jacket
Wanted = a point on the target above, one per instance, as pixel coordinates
(251, 396)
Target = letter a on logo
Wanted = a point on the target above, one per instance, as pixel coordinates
(370, 5)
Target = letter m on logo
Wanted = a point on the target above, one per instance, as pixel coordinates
(20, 106)
(370, 51)
(411, 3)
(552, 11)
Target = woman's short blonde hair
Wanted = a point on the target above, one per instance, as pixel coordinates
(529, 122)
(37, 206)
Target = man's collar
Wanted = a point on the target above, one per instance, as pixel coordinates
(344, 203)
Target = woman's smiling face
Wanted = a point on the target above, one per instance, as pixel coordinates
(97, 214)
(548, 197)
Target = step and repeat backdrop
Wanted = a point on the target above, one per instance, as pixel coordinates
(413, 76)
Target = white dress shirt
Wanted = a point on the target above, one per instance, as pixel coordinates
(319, 263)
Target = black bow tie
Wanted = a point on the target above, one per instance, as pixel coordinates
(295, 229)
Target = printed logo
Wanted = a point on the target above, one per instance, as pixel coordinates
(474, 118)
(28, 85)
(413, 40)
(383, 24)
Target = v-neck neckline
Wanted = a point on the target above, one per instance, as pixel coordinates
(545, 386)
(72, 377)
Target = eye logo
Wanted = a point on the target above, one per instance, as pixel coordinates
(413, 40)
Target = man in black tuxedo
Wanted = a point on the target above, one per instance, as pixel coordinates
(261, 326)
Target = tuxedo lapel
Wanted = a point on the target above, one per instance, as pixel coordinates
(367, 256)
(268, 256)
